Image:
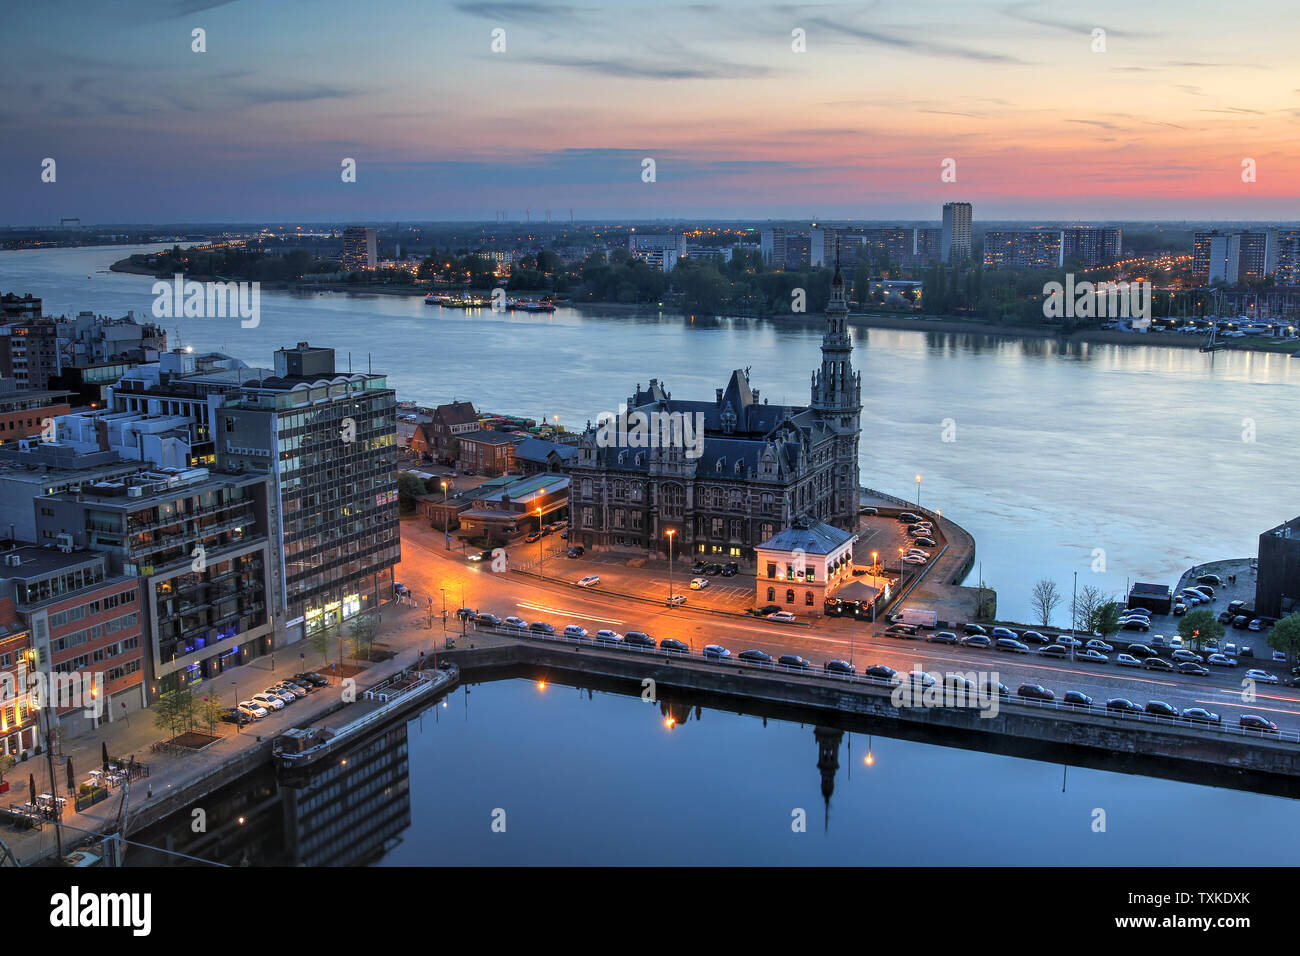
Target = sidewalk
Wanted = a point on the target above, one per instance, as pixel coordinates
(404, 631)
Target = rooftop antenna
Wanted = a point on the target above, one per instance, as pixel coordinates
(349, 363)
(369, 369)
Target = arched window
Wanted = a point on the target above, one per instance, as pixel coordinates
(808, 598)
(789, 596)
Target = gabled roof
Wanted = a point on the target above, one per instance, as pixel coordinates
(820, 538)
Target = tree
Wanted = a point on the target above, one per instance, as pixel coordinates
(320, 642)
(1198, 628)
(1044, 600)
(1285, 636)
(1105, 620)
(208, 713)
(1086, 604)
(174, 712)
(6, 764)
(362, 630)
(409, 487)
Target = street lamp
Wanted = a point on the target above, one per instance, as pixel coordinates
(670, 532)
(918, 492)
(238, 712)
(901, 552)
(541, 570)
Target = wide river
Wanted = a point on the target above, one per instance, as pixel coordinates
(1159, 457)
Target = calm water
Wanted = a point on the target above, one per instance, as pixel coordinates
(1136, 451)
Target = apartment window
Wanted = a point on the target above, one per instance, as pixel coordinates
(789, 596)
(808, 598)
(771, 569)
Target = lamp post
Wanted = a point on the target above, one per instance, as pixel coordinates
(541, 570)
(238, 712)
(670, 532)
(901, 552)
(918, 492)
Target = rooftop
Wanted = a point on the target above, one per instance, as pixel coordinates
(819, 538)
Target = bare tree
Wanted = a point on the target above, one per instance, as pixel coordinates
(1045, 599)
(1086, 605)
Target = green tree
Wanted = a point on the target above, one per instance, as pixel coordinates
(1106, 619)
(1285, 636)
(409, 488)
(174, 712)
(362, 631)
(1198, 628)
(208, 713)
(6, 764)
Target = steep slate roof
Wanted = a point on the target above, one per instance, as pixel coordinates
(820, 538)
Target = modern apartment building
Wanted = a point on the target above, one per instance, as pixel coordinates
(360, 248)
(1029, 249)
(956, 240)
(29, 352)
(660, 251)
(1287, 258)
(196, 543)
(1092, 245)
(328, 442)
(1233, 257)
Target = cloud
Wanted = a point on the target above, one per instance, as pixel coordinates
(690, 68)
(1021, 11)
(923, 47)
(521, 12)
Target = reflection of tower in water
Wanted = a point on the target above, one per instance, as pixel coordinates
(675, 714)
(828, 761)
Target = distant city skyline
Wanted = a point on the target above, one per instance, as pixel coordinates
(739, 125)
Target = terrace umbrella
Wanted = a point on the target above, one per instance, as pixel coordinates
(103, 746)
(31, 789)
(71, 787)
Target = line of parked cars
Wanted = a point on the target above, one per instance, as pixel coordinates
(275, 698)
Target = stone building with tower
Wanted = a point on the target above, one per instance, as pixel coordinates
(756, 468)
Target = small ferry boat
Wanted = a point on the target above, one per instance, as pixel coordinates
(531, 305)
(301, 747)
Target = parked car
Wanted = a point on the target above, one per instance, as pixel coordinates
(1193, 669)
(1076, 698)
(1199, 715)
(1180, 608)
(1034, 692)
(698, 567)
(1088, 654)
(1005, 632)
(1279, 657)
(532, 537)
(606, 636)
(576, 631)
(590, 581)
(1255, 625)
(765, 610)
(670, 645)
(1175, 642)
(913, 559)
(1204, 589)
(975, 640)
(675, 600)
(1011, 645)
(576, 551)
(638, 639)
(907, 517)
(1099, 645)
(1068, 640)
(1122, 706)
(1054, 650)
(956, 682)
(973, 629)
(868, 510)
(793, 661)
(313, 678)
(1186, 655)
(716, 652)
(920, 680)
(712, 569)
(1256, 722)
(838, 666)
(487, 619)
(698, 584)
(926, 541)
(541, 627)
(1158, 708)
(730, 569)
(755, 657)
(1127, 660)
(1035, 637)
(1213, 579)
(943, 637)
(1158, 640)
(254, 709)
(1221, 660)
(782, 617)
(1135, 624)
(1157, 664)
(905, 630)
(293, 688)
(236, 716)
(285, 695)
(269, 701)
(1140, 650)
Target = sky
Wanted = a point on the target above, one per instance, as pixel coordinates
(1042, 117)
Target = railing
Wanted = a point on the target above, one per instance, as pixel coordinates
(694, 657)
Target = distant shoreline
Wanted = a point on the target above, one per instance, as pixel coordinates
(862, 319)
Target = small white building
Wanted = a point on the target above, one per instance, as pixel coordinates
(800, 567)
